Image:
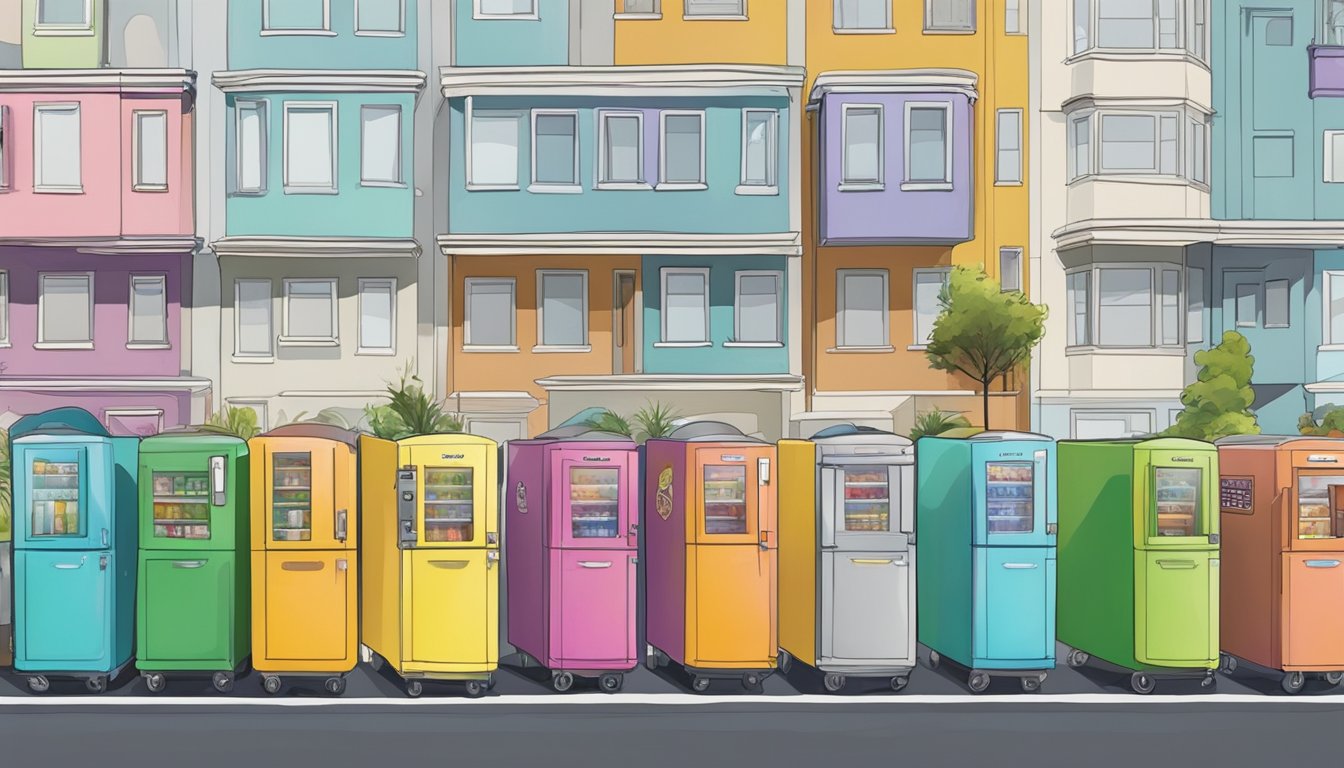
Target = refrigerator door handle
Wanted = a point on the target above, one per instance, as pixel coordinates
(1020, 566)
(219, 496)
(450, 564)
(1322, 563)
(188, 563)
(594, 563)
(873, 561)
(340, 524)
(302, 565)
(1176, 564)
(70, 566)
(105, 537)
(827, 506)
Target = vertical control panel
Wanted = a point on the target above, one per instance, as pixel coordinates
(406, 503)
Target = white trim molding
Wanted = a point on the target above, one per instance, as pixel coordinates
(652, 81)
(621, 243)
(109, 245)
(319, 247)
(1182, 232)
(934, 80)
(146, 383)
(770, 382)
(320, 81)
(96, 80)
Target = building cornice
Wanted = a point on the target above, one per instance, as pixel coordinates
(320, 81)
(318, 247)
(622, 244)
(97, 384)
(95, 80)
(929, 80)
(674, 383)
(668, 80)
(1182, 232)
(107, 245)
(1092, 101)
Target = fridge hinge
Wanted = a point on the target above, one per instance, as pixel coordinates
(102, 562)
(491, 558)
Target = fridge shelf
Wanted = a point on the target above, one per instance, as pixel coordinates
(278, 528)
(448, 521)
(192, 521)
(441, 502)
(725, 501)
(1304, 518)
(882, 500)
(597, 518)
(181, 499)
(283, 488)
(864, 484)
(292, 504)
(437, 486)
(724, 517)
(1010, 482)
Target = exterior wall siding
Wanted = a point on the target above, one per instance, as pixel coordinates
(671, 37)
(486, 42)
(341, 46)
(47, 48)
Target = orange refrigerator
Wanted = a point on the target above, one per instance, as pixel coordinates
(1282, 502)
(711, 554)
(305, 579)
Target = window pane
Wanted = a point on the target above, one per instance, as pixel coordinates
(66, 308)
(1167, 153)
(148, 310)
(863, 321)
(928, 286)
(1168, 24)
(296, 14)
(1080, 323)
(681, 140)
(1125, 23)
(1247, 295)
(490, 312)
(308, 147)
(622, 150)
(950, 14)
(758, 308)
(1199, 16)
(375, 314)
(380, 158)
(928, 144)
(1337, 308)
(1009, 165)
(494, 149)
(562, 309)
(714, 8)
(507, 7)
(1127, 142)
(74, 12)
(862, 14)
(152, 153)
(760, 129)
(1010, 269)
(1336, 154)
(309, 307)
(1012, 17)
(1171, 306)
(1334, 22)
(251, 147)
(1197, 152)
(1082, 147)
(685, 305)
(1276, 304)
(58, 142)
(1081, 23)
(378, 15)
(1194, 305)
(555, 149)
(1125, 307)
(863, 129)
(254, 317)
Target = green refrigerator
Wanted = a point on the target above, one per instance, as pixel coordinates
(1138, 557)
(192, 607)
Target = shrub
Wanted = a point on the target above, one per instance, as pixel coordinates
(1218, 403)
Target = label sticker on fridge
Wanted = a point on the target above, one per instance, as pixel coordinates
(1235, 493)
(662, 501)
(521, 495)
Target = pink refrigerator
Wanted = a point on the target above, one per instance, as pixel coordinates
(570, 544)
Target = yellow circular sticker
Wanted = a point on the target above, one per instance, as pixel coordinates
(662, 501)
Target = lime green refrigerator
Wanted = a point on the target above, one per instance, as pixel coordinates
(1138, 558)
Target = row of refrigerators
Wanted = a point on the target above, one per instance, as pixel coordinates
(302, 548)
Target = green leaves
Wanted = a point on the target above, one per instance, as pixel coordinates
(238, 421)
(410, 411)
(610, 421)
(929, 423)
(653, 420)
(1217, 404)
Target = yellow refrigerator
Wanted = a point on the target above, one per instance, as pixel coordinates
(430, 517)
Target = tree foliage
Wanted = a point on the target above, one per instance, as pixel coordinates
(239, 421)
(1218, 402)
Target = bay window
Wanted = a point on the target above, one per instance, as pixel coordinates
(1135, 142)
(1129, 306)
(1141, 25)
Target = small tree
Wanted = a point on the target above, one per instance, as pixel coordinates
(983, 331)
(1218, 402)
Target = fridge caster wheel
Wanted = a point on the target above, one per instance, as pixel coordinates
(1208, 680)
(223, 681)
(335, 685)
(611, 682)
(270, 684)
(490, 682)
(750, 680)
(96, 684)
(414, 688)
(562, 681)
(1142, 682)
(935, 659)
(785, 661)
(899, 683)
(1031, 684)
(978, 682)
(699, 684)
(834, 683)
(1227, 663)
(39, 684)
(476, 688)
(1333, 678)
(1076, 659)
(1293, 682)
(155, 682)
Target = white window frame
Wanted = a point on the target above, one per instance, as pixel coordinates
(885, 29)
(42, 342)
(917, 342)
(467, 345)
(6, 150)
(847, 185)
(400, 181)
(771, 185)
(686, 14)
(999, 149)
(1323, 10)
(1134, 420)
(399, 32)
(1287, 303)
(131, 341)
(1071, 142)
(364, 284)
(268, 31)
(1194, 331)
(1182, 167)
(1156, 322)
(1329, 342)
(253, 357)
(541, 345)
(63, 30)
(1160, 330)
(1017, 276)
(288, 340)
(67, 189)
(655, 14)
(533, 15)
(314, 189)
(663, 274)
(662, 149)
(551, 187)
(1154, 304)
(778, 275)
(947, 183)
(1192, 33)
(602, 170)
(1014, 17)
(4, 309)
(1328, 153)
(517, 115)
(1071, 339)
(932, 30)
(1197, 152)
(840, 276)
(262, 108)
(137, 151)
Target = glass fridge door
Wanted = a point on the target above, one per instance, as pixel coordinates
(181, 505)
(594, 502)
(1320, 507)
(1010, 497)
(56, 500)
(725, 497)
(450, 504)
(868, 497)
(292, 496)
(1177, 504)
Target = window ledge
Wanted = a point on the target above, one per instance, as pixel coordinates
(148, 345)
(311, 190)
(293, 341)
(864, 31)
(149, 187)
(917, 348)
(560, 349)
(489, 348)
(383, 184)
(298, 33)
(928, 31)
(63, 345)
(926, 186)
(492, 187)
(1145, 54)
(1164, 179)
(555, 189)
(862, 350)
(681, 186)
(756, 190)
(5, 345)
(682, 344)
(505, 17)
(713, 17)
(248, 193)
(376, 351)
(637, 16)
(623, 186)
(253, 359)
(379, 33)
(861, 186)
(1164, 351)
(1330, 348)
(1007, 183)
(754, 344)
(56, 31)
(79, 190)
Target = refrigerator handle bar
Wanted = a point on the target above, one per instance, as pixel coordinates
(188, 563)
(594, 563)
(1176, 564)
(70, 566)
(302, 565)
(827, 507)
(339, 524)
(448, 563)
(1322, 563)
(1020, 566)
(871, 561)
